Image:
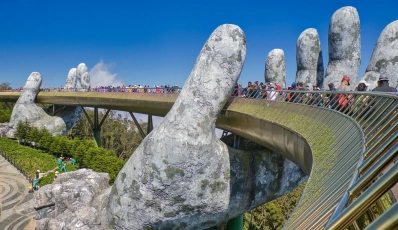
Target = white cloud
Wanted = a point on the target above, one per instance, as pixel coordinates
(100, 75)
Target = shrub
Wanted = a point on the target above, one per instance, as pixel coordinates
(30, 159)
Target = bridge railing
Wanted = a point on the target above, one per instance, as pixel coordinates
(369, 199)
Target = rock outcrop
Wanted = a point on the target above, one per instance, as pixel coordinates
(344, 46)
(66, 116)
(384, 58)
(275, 68)
(309, 58)
(72, 201)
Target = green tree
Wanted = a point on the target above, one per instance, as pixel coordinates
(274, 214)
(5, 113)
(118, 135)
(32, 134)
(5, 86)
(63, 145)
(45, 140)
(21, 131)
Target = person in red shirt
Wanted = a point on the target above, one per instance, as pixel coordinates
(278, 87)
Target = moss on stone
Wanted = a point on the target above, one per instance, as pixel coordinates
(123, 176)
(217, 187)
(336, 37)
(236, 33)
(391, 39)
(227, 174)
(205, 182)
(154, 168)
(178, 199)
(171, 172)
(135, 190)
(279, 64)
(216, 176)
(150, 203)
(114, 190)
(144, 180)
(239, 59)
(187, 209)
(170, 214)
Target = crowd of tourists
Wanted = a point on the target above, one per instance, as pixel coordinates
(271, 91)
(261, 90)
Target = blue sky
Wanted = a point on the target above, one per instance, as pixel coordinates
(157, 42)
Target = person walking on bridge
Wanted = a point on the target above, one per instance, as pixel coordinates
(383, 85)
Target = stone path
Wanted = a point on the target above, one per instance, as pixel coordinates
(16, 203)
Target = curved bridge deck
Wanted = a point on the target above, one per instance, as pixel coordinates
(344, 149)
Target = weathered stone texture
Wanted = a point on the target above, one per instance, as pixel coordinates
(275, 68)
(178, 173)
(344, 46)
(69, 203)
(71, 79)
(25, 108)
(309, 58)
(82, 77)
(182, 176)
(66, 116)
(384, 58)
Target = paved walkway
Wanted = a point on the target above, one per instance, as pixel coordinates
(16, 203)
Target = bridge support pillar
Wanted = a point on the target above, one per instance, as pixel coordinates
(138, 125)
(96, 125)
(237, 222)
(97, 136)
(10, 107)
(150, 124)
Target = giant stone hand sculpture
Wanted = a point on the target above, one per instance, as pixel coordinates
(309, 58)
(172, 164)
(344, 42)
(66, 117)
(182, 175)
(384, 58)
(275, 68)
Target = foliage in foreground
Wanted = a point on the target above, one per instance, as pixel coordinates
(86, 153)
(274, 214)
(5, 113)
(30, 159)
(119, 135)
(49, 178)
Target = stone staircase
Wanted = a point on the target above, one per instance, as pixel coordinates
(16, 203)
